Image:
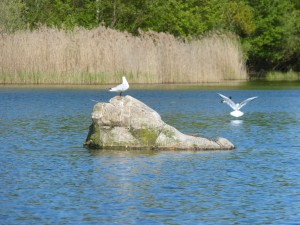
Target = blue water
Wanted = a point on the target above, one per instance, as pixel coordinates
(47, 177)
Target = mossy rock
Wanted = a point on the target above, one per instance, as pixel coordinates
(127, 123)
(146, 136)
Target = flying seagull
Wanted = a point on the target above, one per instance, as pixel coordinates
(236, 106)
(121, 87)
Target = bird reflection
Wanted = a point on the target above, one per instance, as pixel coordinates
(236, 122)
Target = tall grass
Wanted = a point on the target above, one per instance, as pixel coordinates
(279, 76)
(103, 55)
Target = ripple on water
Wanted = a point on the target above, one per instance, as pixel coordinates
(47, 177)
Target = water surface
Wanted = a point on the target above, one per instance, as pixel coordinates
(47, 177)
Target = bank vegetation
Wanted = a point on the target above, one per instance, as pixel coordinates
(102, 55)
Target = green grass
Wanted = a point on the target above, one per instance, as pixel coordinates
(279, 76)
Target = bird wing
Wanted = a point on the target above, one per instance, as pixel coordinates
(245, 102)
(121, 87)
(228, 101)
(117, 88)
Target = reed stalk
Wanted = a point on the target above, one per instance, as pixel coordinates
(103, 55)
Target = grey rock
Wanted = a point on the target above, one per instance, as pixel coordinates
(126, 123)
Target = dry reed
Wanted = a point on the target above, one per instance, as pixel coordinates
(103, 55)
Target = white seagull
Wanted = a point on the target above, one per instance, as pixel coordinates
(121, 87)
(236, 106)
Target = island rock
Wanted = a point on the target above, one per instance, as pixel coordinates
(125, 123)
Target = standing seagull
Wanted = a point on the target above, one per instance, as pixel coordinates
(121, 87)
(236, 106)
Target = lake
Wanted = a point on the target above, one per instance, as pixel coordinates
(48, 177)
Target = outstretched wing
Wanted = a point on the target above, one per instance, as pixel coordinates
(245, 102)
(228, 101)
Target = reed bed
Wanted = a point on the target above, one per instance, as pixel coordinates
(103, 55)
(279, 76)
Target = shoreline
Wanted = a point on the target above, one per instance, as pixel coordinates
(168, 86)
(132, 85)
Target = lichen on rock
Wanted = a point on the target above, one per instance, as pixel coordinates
(127, 123)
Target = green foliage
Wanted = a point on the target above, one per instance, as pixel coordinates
(268, 29)
(180, 18)
(275, 43)
(61, 14)
(240, 18)
(11, 18)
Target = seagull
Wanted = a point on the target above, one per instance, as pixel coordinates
(121, 87)
(236, 106)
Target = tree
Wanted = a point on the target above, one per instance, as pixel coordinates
(269, 30)
(180, 18)
(239, 18)
(11, 15)
(61, 14)
(275, 42)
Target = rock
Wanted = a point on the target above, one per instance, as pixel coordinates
(127, 123)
